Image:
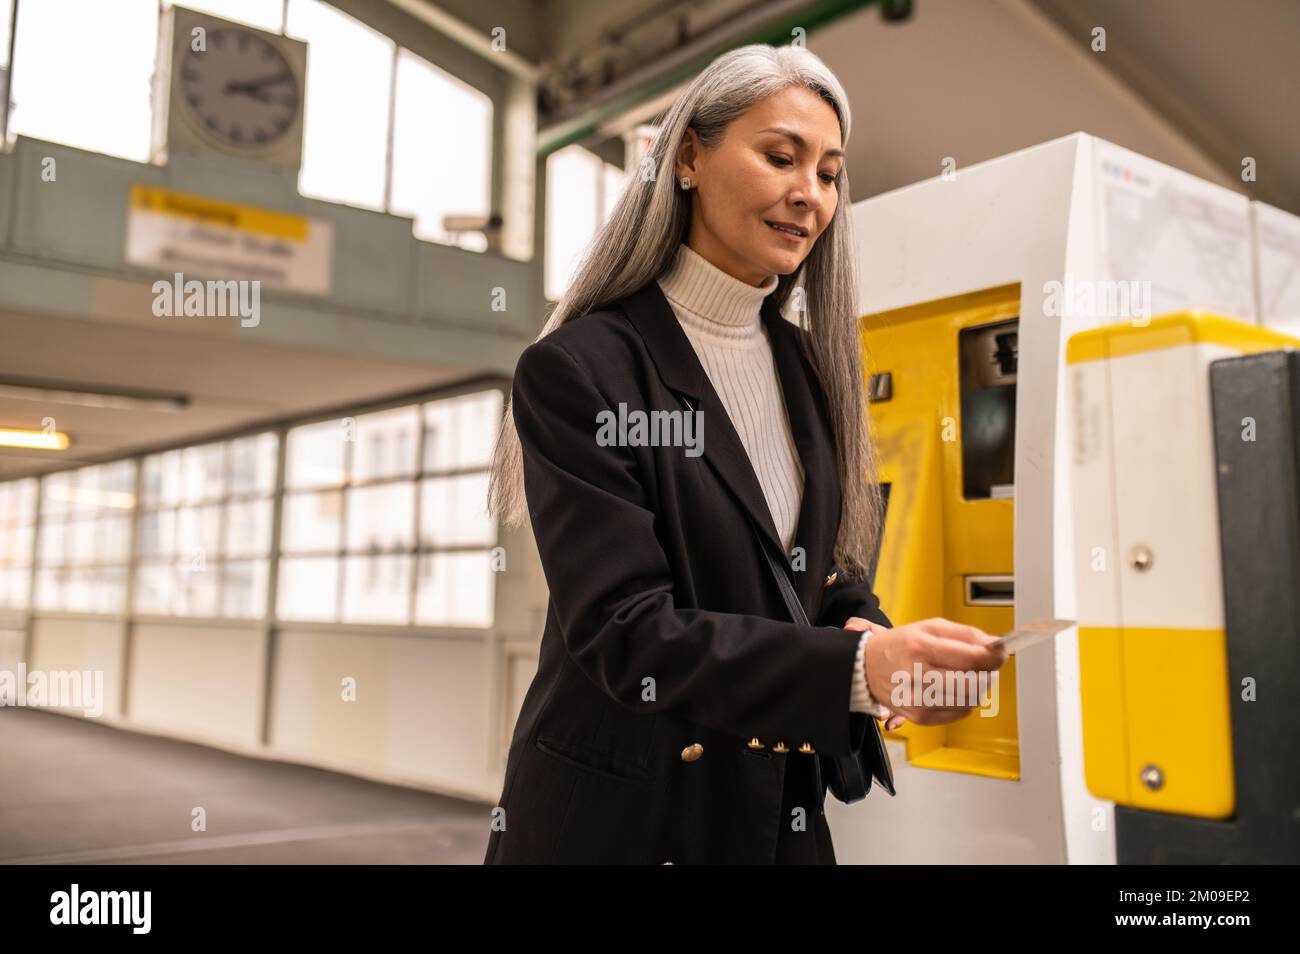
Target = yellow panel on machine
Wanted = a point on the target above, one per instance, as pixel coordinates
(1152, 650)
(943, 415)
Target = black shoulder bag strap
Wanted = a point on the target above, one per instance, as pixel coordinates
(849, 777)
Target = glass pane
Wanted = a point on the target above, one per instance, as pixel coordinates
(312, 522)
(17, 502)
(264, 14)
(198, 532)
(108, 589)
(54, 543)
(453, 510)
(615, 184)
(203, 472)
(157, 533)
(431, 181)
(248, 528)
(162, 478)
(13, 588)
(252, 464)
(57, 493)
(155, 586)
(88, 590)
(572, 213)
(349, 78)
(455, 589)
(80, 540)
(24, 491)
(461, 431)
(117, 485)
(49, 589)
(315, 454)
(308, 588)
(76, 592)
(382, 517)
(385, 444)
(6, 8)
(244, 592)
(196, 587)
(85, 492)
(112, 539)
(378, 589)
(81, 74)
(15, 546)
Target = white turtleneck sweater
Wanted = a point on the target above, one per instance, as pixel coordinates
(721, 316)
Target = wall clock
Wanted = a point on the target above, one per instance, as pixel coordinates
(229, 90)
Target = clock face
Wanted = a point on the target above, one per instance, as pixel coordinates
(240, 90)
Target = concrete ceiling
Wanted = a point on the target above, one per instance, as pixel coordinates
(229, 383)
(1199, 84)
(979, 80)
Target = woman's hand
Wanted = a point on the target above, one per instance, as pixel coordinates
(859, 625)
(938, 645)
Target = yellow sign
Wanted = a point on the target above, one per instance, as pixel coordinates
(188, 233)
(200, 208)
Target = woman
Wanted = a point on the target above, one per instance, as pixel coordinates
(666, 426)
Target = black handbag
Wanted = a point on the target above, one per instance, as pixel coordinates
(848, 776)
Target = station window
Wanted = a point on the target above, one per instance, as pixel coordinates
(442, 157)
(581, 192)
(383, 520)
(354, 549)
(205, 529)
(263, 14)
(81, 73)
(85, 534)
(17, 525)
(345, 124)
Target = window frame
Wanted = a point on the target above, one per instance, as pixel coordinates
(276, 553)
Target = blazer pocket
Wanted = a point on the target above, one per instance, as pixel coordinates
(593, 760)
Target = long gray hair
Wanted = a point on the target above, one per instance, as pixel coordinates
(640, 241)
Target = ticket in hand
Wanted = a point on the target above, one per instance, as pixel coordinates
(1032, 633)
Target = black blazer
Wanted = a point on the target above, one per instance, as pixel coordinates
(671, 682)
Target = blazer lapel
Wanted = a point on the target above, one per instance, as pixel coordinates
(681, 371)
(819, 512)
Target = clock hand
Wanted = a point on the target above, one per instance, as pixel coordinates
(260, 97)
(251, 85)
(264, 96)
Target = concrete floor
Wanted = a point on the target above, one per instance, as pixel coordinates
(75, 791)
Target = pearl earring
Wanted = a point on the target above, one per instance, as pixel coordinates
(686, 182)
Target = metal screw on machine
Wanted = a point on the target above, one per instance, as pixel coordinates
(1153, 778)
(1141, 558)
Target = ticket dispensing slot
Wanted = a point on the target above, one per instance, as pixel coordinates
(983, 589)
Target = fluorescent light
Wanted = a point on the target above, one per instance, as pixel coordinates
(124, 401)
(36, 440)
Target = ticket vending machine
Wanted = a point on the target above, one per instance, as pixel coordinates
(1185, 449)
(972, 286)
